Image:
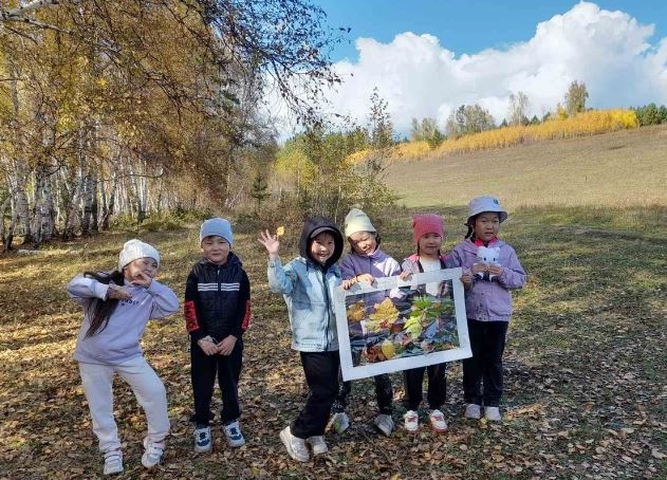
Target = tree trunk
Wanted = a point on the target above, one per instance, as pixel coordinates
(108, 209)
(18, 171)
(43, 226)
(3, 209)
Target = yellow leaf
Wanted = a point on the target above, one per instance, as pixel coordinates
(280, 231)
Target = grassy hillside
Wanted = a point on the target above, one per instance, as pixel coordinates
(585, 393)
(625, 168)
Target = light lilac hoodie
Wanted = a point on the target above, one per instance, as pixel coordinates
(490, 301)
(120, 340)
(378, 264)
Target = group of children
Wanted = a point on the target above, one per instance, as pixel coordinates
(119, 304)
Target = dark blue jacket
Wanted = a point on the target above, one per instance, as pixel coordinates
(217, 299)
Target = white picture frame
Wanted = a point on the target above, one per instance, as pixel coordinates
(423, 330)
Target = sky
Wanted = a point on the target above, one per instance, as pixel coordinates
(428, 57)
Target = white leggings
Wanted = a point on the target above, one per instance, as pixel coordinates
(147, 387)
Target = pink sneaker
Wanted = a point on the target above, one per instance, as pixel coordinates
(438, 422)
(411, 421)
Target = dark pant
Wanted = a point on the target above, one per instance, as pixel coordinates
(384, 392)
(321, 370)
(437, 386)
(485, 368)
(203, 372)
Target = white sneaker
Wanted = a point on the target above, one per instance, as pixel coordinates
(340, 422)
(384, 423)
(296, 447)
(473, 411)
(492, 414)
(411, 419)
(203, 440)
(153, 453)
(233, 433)
(318, 444)
(113, 462)
(438, 423)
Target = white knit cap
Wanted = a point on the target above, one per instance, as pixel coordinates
(218, 227)
(134, 249)
(357, 221)
(485, 203)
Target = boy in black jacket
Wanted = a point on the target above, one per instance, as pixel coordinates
(217, 312)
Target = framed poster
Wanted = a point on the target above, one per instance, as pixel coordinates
(395, 324)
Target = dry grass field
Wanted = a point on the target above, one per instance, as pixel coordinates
(585, 382)
(619, 169)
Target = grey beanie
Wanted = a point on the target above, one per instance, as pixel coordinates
(219, 227)
(134, 249)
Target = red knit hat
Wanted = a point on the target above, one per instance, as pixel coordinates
(427, 223)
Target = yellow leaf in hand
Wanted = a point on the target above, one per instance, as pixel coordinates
(280, 231)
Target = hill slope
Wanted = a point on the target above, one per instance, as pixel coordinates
(626, 168)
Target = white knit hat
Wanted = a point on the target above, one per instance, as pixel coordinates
(485, 203)
(218, 227)
(357, 221)
(134, 249)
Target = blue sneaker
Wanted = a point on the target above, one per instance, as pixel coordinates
(203, 441)
(233, 433)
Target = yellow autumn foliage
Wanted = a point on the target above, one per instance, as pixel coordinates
(583, 124)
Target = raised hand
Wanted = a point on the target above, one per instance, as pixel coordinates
(270, 242)
(141, 279)
(118, 293)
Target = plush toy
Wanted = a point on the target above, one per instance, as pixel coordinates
(488, 255)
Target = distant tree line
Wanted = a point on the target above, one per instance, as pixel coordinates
(471, 119)
(651, 114)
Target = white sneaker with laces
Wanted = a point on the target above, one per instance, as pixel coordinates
(411, 419)
(113, 462)
(384, 423)
(296, 447)
(438, 423)
(203, 440)
(317, 444)
(233, 433)
(153, 453)
(473, 411)
(340, 422)
(492, 414)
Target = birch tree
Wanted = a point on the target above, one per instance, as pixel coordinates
(174, 85)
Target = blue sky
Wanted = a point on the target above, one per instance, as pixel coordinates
(426, 58)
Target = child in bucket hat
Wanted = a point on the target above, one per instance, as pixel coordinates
(488, 305)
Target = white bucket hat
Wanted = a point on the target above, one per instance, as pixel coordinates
(485, 203)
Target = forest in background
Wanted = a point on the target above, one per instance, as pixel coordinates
(155, 113)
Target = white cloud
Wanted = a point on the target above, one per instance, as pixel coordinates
(418, 77)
